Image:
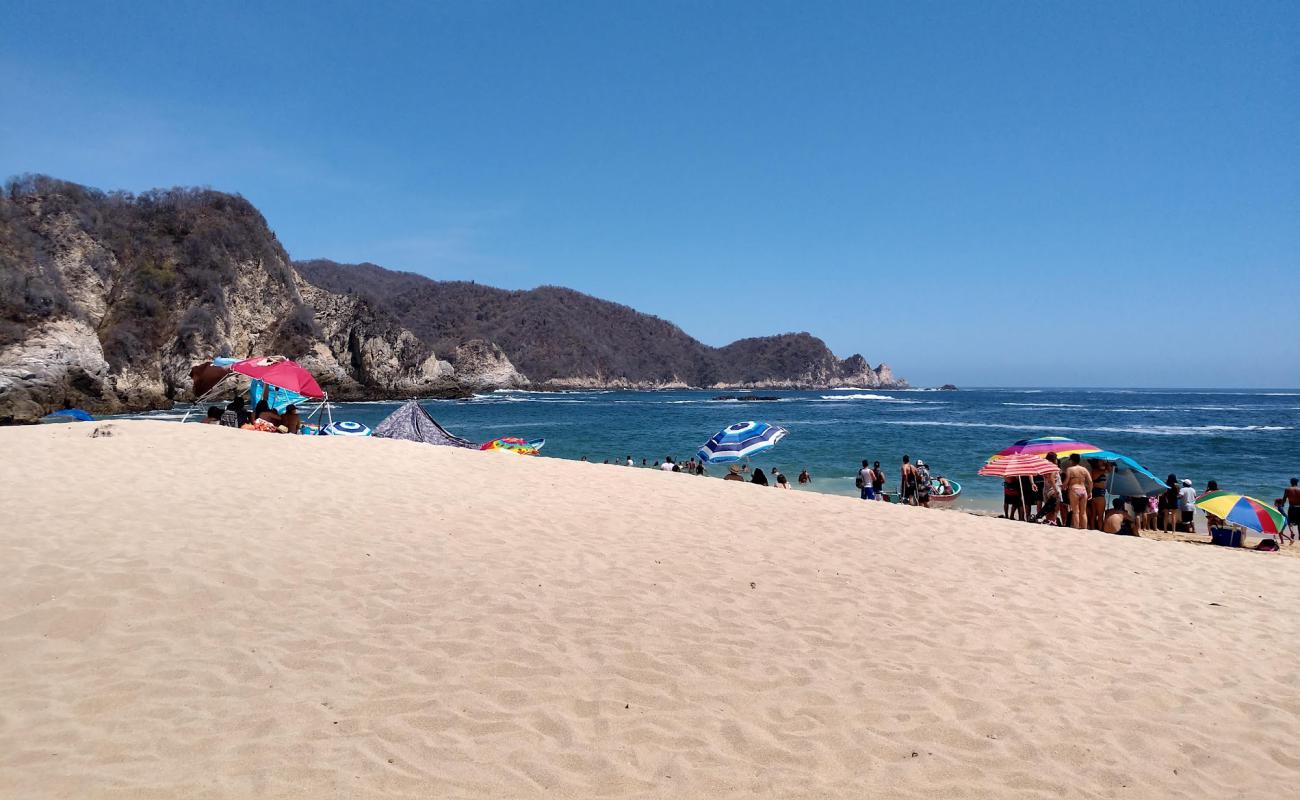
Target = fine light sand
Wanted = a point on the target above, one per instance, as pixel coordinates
(178, 619)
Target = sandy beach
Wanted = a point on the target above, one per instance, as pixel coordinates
(194, 611)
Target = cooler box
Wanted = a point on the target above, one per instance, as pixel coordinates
(1225, 537)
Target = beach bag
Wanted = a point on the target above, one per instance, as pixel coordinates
(858, 481)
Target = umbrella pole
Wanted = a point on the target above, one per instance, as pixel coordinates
(194, 406)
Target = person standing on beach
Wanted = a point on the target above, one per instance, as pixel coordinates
(1169, 505)
(1187, 505)
(667, 465)
(1051, 496)
(1292, 496)
(878, 481)
(908, 475)
(1078, 488)
(864, 480)
(923, 486)
(1097, 505)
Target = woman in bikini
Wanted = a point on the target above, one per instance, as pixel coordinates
(1097, 505)
(1078, 488)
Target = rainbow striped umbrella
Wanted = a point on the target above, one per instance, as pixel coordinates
(1017, 466)
(515, 445)
(1247, 512)
(1042, 445)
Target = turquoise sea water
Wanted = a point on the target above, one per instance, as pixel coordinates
(1249, 441)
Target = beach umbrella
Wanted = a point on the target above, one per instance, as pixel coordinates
(345, 428)
(1247, 512)
(1128, 478)
(281, 373)
(514, 444)
(742, 440)
(1042, 445)
(1018, 465)
(67, 415)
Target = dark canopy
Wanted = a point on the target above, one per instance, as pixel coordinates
(412, 423)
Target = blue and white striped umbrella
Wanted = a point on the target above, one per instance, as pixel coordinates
(345, 428)
(742, 440)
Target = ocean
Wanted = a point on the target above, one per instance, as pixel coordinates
(1247, 440)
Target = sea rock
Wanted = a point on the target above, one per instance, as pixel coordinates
(480, 364)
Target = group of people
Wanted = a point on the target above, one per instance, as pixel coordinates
(737, 472)
(262, 418)
(916, 484)
(1075, 496)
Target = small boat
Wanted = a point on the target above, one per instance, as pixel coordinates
(936, 497)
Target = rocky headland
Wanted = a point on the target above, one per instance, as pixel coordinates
(107, 299)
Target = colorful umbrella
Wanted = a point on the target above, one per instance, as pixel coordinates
(515, 445)
(1247, 512)
(345, 427)
(1018, 466)
(1128, 478)
(1042, 445)
(280, 372)
(742, 440)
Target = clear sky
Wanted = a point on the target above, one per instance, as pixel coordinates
(983, 193)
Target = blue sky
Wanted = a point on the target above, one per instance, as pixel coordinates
(982, 193)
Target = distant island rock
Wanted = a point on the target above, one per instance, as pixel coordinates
(108, 298)
(947, 387)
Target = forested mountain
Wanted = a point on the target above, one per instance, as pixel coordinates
(560, 337)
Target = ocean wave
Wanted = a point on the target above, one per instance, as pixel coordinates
(839, 398)
(1153, 430)
(1047, 405)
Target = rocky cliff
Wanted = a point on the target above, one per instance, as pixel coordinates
(108, 299)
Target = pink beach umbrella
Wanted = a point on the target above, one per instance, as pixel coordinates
(1018, 466)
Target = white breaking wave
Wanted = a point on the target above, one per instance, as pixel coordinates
(882, 398)
(1153, 430)
(1046, 405)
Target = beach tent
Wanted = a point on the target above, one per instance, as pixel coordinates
(67, 415)
(412, 423)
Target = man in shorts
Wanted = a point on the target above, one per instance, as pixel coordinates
(865, 487)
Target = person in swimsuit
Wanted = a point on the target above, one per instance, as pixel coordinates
(804, 477)
(1011, 498)
(1097, 504)
(908, 475)
(1050, 508)
(1292, 496)
(1169, 504)
(1078, 489)
(1117, 520)
(878, 480)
